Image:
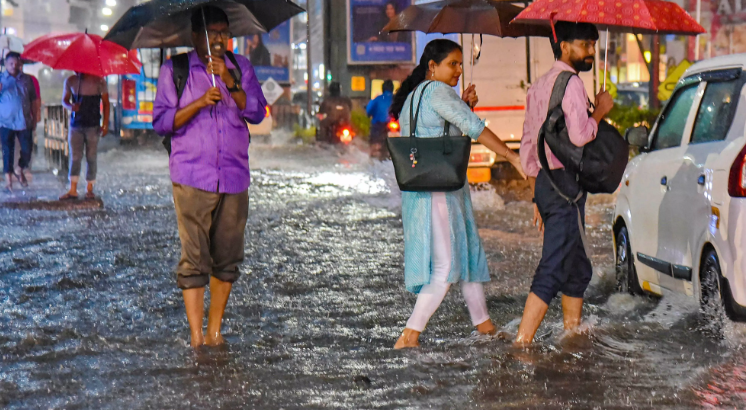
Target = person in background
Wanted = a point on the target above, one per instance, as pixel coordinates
(36, 111)
(17, 98)
(564, 266)
(335, 108)
(83, 94)
(209, 166)
(378, 111)
(258, 52)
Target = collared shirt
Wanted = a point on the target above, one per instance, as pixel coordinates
(16, 98)
(378, 108)
(581, 128)
(211, 151)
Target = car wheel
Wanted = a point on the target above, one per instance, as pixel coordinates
(626, 274)
(711, 302)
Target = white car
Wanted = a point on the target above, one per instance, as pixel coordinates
(680, 217)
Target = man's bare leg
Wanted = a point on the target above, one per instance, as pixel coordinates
(572, 309)
(194, 301)
(533, 314)
(219, 293)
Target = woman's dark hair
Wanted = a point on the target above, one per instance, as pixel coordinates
(567, 31)
(436, 50)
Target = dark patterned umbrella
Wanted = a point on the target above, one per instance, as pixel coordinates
(166, 23)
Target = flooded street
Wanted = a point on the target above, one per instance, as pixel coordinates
(92, 317)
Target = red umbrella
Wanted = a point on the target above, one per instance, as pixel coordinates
(83, 53)
(628, 16)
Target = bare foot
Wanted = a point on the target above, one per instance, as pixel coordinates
(69, 195)
(486, 328)
(197, 340)
(408, 338)
(214, 339)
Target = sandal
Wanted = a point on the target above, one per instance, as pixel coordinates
(90, 195)
(8, 189)
(68, 196)
(22, 179)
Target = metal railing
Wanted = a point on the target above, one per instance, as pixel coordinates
(56, 124)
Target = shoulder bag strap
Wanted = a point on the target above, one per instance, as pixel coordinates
(235, 72)
(180, 72)
(414, 115)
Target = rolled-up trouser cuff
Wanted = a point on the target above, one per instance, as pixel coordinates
(227, 276)
(192, 281)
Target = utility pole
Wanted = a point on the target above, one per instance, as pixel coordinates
(309, 67)
(655, 59)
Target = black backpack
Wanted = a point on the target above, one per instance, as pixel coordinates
(180, 76)
(599, 165)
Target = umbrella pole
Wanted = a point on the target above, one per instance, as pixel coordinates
(471, 75)
(207, 39)
(606, 54)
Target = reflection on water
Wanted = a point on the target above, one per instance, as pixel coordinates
(92, 317)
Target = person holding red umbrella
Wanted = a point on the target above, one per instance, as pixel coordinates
(83, 96)
(564, 264)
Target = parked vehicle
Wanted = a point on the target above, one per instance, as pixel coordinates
(681, 211)
(633, 95)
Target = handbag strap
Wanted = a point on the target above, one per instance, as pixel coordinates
(415, 115)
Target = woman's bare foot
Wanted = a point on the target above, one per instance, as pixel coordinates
(214, 339)
(486, 328)
(197, 340)
(408, 338)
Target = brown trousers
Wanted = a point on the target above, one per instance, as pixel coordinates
(211, 229)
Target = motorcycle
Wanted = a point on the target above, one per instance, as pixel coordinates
(338, 132)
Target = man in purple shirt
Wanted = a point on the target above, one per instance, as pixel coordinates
(209, 166)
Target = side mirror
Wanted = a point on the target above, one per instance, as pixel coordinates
(637, 136)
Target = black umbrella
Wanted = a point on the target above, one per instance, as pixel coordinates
(167, 23)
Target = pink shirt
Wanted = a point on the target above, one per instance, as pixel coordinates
(581, 128)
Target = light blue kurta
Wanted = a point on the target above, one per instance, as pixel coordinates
(439, 103)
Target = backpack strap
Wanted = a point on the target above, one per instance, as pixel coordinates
(235, 72)
(180, 72)
(558, 91)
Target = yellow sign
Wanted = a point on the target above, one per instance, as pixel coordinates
(610, 87)
(358, 84)
(667, 86)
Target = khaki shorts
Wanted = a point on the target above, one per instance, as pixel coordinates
(211, 229)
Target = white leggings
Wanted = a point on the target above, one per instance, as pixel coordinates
(432, 294)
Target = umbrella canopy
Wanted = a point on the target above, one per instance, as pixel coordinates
(465, 16)
(167, 23)
(82, 52)
(629, 16)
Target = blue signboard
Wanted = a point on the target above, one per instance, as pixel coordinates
(269, 53)
(366, 43)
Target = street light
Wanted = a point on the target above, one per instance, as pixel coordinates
(111, 3)
(106, 11)
(104, 28)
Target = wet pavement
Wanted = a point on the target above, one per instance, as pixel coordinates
(91, 317)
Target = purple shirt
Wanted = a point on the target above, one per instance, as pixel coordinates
(211, 151)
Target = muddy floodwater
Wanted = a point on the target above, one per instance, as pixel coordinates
(92, 319)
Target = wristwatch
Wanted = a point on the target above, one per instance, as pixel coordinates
(236, 87)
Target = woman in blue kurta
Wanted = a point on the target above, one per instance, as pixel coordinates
(441, 241)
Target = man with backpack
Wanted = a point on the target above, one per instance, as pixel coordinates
(208, 141)
(564, 264)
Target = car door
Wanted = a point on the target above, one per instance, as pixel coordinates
(685, 214)
(652, 179)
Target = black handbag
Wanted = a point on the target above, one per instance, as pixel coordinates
(429, 164)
